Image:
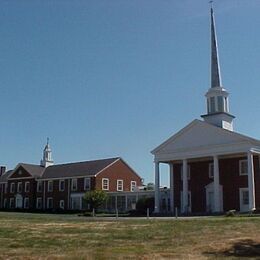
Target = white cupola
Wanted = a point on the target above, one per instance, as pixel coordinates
(47, 155)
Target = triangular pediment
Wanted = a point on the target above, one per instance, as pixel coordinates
(199, 134)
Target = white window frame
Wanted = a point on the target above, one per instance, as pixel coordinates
(48, 202)
(60, 181)
(105, 186)
(241, 168)
(37, 202)
(85, 183)
(119, 185)
(188, 173)
(11, 202)
(133, 185)
(24, 203)
(74, 181)
(62, 204)
(27, 186)
(12, 187)
(50, 187)
(19, 187)
(211, 170)
(39, 184)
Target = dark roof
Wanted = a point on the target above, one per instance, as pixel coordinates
(34, 170)
(88, 168)
(4, 177)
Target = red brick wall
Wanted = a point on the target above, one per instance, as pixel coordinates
(118, 171)
(229, 179)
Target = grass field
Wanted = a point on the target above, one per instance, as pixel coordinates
(34, 236)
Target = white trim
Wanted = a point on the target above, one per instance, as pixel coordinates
(118, 184)
(11, 200)
(107, 167)
(105, 179)
(60, 185)
(66, 178)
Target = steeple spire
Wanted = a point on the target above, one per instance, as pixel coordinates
(215, 69)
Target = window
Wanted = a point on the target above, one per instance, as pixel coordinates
(87, 185)
(211, 170)
(212, 105)
(243, 167)
(105, 184)
(245, 197)
(12, 187)
(50, 186)
(133, 185)
(188, 173)
(20, 172)
(39, 203)
(61, 204)
(220, 104)
(19, 187)
(61, 185)
(74, 184)
(6, 187)
(120, 185)
(26, 203)
(11, 203)
(5, 203)
(39, 186)
(27, 186)
(49, 203)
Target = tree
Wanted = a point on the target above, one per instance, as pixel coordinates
(95, 198)
(150, 186)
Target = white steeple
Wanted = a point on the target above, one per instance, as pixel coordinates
(47, 158)
(217, 96)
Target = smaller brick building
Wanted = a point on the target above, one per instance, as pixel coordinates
(48, 186)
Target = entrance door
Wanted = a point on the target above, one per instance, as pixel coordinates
(210, 202)
(19, 201)
(244, 199)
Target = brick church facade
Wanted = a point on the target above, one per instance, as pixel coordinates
(62, 187)
(212, 168)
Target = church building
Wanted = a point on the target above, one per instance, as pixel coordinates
(212, 168)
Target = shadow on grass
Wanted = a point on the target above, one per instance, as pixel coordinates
(242, 248)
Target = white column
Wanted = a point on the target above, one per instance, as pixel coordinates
(216, 185)
(251, 181)
(185, 185)
(157, 188)
(171, 188)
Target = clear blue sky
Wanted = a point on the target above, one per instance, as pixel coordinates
(116, 78)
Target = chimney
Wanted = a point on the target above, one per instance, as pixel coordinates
(2, 170)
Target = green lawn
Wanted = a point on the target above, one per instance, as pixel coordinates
(34, 236)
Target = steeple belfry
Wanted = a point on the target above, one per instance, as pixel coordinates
(47, 157)
(217, 96)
